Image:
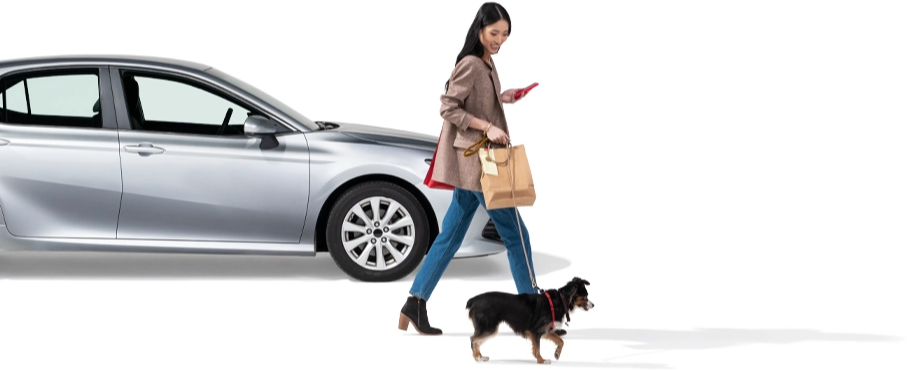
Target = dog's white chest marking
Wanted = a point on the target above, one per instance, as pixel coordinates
(558, 325)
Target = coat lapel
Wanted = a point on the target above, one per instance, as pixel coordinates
(496, 84)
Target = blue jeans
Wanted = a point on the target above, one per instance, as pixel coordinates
(453, 229)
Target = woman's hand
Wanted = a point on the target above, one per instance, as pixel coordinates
(497, 135)
(507, 96)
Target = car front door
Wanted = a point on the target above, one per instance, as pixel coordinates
(59, 153)
(189, 171)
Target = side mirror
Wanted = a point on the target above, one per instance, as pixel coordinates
(256, 125)
(259, 125)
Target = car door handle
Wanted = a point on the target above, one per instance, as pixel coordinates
(3, 142)
(144, 149)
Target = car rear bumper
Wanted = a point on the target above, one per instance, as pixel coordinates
(476, 245)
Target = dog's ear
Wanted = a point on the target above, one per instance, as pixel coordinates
(580, 280)
(570, 292)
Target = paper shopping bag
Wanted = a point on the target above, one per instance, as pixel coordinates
(506, 177)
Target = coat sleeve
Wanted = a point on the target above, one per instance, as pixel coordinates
(452, 102)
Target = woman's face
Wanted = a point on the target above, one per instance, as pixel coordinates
(493, 35)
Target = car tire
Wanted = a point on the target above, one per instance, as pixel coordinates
(353, 240)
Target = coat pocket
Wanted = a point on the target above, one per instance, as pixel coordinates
(465, 140)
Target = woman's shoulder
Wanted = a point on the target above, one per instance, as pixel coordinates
(469, 61)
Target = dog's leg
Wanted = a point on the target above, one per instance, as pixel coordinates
(558, 341)
(476, 341)
(536, 347)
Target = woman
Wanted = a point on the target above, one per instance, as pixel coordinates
(472, 108)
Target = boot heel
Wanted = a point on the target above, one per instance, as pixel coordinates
(403, 324)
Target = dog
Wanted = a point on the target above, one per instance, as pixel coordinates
(532, 316)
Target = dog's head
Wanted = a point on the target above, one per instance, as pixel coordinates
(576, 294)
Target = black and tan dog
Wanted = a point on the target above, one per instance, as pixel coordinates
(532, 316)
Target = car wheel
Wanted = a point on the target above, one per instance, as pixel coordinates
(377, 232)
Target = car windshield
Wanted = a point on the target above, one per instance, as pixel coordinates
(265, 97)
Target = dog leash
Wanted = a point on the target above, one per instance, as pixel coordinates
(519, 225)
(523, 242)
(473, 149)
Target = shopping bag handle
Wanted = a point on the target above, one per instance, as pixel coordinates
(474, 148)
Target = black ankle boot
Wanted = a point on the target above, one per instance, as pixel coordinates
(414, 312)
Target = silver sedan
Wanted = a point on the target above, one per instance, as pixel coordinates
(146, 154)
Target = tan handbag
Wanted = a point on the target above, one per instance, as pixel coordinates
(506, 177)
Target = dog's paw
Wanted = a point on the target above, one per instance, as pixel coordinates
(482, 359)
(545, 362)
(557, 355)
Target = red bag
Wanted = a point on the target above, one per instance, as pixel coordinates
(431, 167)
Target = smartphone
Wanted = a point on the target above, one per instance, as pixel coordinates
(524, 91)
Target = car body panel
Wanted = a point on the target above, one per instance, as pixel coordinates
(185, 193)
(12, 243)
(60, 182)
(73, 191)
(269, 203)
(367, 151)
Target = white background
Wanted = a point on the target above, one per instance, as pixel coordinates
(729, 176)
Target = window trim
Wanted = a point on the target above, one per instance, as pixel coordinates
(108, 115)
(117, 73)
(28, 98)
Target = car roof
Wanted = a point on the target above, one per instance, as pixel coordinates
(151, 61)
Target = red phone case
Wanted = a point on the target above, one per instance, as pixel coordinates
(524, 91)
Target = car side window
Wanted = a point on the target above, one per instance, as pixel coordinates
(57, 98)
(168, 105)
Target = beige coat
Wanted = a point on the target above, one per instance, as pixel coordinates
(474, 91)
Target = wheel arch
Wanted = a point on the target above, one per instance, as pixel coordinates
(321, 223)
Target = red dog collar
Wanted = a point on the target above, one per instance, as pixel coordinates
(551, 304)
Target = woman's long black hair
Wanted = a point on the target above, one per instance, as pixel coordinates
(488, 13)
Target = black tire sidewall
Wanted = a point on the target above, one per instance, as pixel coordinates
(342, 207)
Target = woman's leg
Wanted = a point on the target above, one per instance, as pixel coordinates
(453, 229)
(506, 222)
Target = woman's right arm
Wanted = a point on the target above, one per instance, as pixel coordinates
(458, 89)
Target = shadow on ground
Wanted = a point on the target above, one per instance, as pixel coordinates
(641, 366)
(657, 341)
(496, 267)
(710, 338)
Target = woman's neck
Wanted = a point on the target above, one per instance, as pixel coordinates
(486, 58)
